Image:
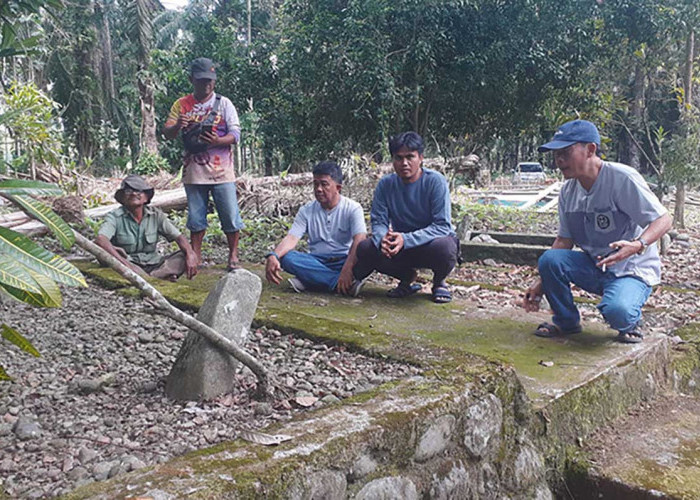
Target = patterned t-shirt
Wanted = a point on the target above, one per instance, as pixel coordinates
(214, 165)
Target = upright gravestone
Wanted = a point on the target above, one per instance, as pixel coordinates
(203, 371)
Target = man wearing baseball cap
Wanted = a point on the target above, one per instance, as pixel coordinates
(209, 126)
(609, 212)
(130, 234)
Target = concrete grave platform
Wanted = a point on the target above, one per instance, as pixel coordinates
(486, 380)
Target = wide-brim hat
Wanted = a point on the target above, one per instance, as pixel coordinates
(136, 182)
(571, 133)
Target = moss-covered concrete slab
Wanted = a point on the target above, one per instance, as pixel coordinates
(441, 337)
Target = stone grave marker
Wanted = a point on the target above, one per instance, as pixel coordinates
(202, 371)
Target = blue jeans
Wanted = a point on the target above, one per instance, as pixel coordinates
(623, 297)
(315, 271)
(225, 201)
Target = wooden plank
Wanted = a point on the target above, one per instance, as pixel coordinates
(542, 194)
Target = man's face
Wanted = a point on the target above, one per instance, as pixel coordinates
(203, 87)
(572, 160)
(326, 190)
(133, 198)
(407, 164)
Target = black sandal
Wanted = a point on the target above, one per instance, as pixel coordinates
(402, 291)
(441, 295)
(633, 337)
(549, 330)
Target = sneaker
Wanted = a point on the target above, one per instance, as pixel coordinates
(356, 287)
(297, 285)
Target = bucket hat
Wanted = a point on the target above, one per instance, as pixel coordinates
(135, 182)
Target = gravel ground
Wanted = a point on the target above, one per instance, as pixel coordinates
(93, 405)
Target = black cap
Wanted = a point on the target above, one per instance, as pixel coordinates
(203, 68)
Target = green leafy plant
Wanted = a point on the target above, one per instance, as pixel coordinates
(150, 163)
(30, 117)
(28, 272)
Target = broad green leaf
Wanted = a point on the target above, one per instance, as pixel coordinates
(3, 374)
(38, 259)
(43, 213)
(16, 275)
(12, 335)
(50, 292)
(21, 186)
(41, 299)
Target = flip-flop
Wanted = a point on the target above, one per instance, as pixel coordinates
(233, 266)
(441, 295)
(633, 337)
(549, 330)
(402, 291)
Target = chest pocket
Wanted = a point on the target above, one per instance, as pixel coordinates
(125, 240)
(151, 239)
(603, 221)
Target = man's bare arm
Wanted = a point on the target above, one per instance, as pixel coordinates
(191, 260)
(104, 243)
(346, 277)
(273, 267)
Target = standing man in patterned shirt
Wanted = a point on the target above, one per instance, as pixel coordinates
(209, 126)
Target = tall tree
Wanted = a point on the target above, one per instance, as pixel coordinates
(141, 14)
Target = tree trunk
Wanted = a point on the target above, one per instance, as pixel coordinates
(267, 154)
(147, 138)
(679, 211)
(107, 69)
(637, 109)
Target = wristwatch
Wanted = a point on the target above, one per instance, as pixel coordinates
(645, 245)
(272, 254)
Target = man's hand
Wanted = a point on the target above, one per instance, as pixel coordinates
(391, 244)
(183, 121)
(345, 280)
(621, 250)
(533, 297)
(191, 264)
(273, 270)
(211, 138)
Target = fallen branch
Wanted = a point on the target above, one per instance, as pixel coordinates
(163, 307)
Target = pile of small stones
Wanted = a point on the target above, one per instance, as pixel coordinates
(93, 405)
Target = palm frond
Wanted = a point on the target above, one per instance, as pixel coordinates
(37, 259)
(12, 335)
(35, 188)
(51, 220)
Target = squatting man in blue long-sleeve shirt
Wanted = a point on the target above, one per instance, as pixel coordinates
(411, 224)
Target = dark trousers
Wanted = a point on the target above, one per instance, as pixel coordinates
(439, 255)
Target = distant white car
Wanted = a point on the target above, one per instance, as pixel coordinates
(529, 173)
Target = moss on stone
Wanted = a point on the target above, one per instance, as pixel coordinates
(485, 286)
(676, 289)
(690, 332)
(104, 276)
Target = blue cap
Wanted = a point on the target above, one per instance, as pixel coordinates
(571, 133)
